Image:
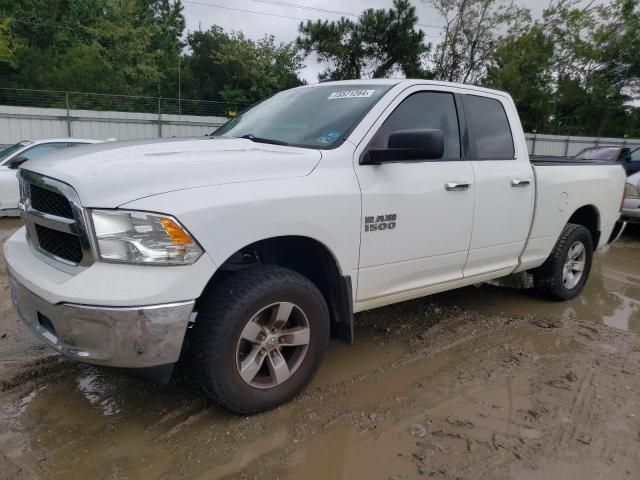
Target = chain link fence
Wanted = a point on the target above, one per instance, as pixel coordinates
(117, 103)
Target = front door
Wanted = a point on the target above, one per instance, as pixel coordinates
(417, 216)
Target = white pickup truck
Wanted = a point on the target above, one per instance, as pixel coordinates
(247, 249)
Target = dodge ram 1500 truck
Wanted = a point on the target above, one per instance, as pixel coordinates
(245, 250)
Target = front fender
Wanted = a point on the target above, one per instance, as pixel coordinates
(224, 218)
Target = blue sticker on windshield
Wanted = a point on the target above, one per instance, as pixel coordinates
(328, 136)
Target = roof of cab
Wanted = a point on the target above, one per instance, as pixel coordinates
(64, 139)
(407, 82)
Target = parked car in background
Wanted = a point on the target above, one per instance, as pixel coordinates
(631, 205)
(628, 157)
(13, 156)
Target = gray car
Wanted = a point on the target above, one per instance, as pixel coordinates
(631, 205)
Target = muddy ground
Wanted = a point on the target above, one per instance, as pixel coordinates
(489, 381)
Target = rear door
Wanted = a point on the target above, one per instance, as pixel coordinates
(504, 184)
(415, 232)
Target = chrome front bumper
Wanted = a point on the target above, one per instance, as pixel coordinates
(127, 337)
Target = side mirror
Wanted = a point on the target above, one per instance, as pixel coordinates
(15, 162)
(408, 145)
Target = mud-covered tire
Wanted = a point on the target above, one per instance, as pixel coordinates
(221, 326)
(549, 280)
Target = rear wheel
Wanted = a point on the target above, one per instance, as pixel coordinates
(259, 338)
(565, 272)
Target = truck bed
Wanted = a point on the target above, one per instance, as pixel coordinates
(561, 191)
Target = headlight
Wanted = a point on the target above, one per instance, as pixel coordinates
(631, 190)
(143, 238)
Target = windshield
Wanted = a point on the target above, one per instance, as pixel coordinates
(6, 152)
(315, 117)
(604, 153)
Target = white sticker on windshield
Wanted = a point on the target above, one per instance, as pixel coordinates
(350, 94)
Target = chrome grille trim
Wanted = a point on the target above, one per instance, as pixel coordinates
(79, 226)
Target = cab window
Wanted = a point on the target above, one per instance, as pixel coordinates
(490, 135)
(424, 110)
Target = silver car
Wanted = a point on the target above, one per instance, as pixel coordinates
(631, 205)
(13, 156)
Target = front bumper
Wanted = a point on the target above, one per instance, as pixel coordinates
(128, 337)
(631, 210)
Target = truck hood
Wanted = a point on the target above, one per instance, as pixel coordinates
(110, 174)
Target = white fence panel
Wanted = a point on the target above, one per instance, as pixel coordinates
(558, 145)
(21, 123)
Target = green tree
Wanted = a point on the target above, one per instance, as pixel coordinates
(231, 67)
(8, 45)
(574, 71)
(107, 46)
(380, 43)
(521, 65)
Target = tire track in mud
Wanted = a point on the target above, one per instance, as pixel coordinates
(527, 435)
(595, 434)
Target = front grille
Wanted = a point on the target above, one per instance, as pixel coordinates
(50, 202)
(55, 220)
(63, 245)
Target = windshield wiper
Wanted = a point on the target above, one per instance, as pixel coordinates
(253, 138)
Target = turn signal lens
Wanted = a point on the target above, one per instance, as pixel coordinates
(175, 231)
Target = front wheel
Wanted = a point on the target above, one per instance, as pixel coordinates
(259, 338)
(565, 272)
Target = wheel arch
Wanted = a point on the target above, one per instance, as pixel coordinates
(589, 217)
(310, 258)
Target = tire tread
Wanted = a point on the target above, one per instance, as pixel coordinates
(548, 277)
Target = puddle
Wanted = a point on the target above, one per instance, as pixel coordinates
(108, 425)
(611, 295)
(331, 456)
(92, 385)
(249, 452)
(76, 425)
(370, 351)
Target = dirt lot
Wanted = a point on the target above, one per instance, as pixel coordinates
(484, 382)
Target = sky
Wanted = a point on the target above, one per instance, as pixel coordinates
(202, 14)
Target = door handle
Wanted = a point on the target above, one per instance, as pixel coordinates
(517, 182)
(456, 186)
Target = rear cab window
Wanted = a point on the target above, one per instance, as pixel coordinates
(490, 136)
